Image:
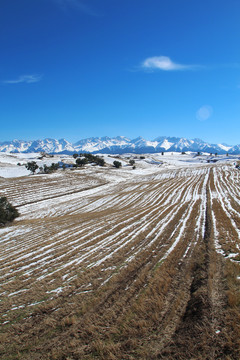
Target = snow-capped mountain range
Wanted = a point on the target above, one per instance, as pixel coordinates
(117, 145)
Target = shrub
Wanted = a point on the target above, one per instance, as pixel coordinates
(50, 169)
(32, 166)
(46, 169)
(99, 161)
(90, 158)
(54, 166)
(131, 162)
(81, 162)
(7, 211)
(117, 164)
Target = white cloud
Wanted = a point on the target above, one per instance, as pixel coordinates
(204, 112)
(164, 63)
(28, 79)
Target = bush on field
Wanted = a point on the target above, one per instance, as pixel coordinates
(89, 159)
(81, 162)
(49, 169)
(117, 164)
(32, 166)
(7, 211)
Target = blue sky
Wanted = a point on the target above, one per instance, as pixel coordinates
(80, 68)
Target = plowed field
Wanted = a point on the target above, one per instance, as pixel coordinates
(131, 267)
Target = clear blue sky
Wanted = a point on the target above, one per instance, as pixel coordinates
(82, 68)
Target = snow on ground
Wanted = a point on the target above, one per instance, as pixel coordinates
(13, 165)
(9, 172)
(101, 218)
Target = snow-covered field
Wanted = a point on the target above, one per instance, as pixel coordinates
(13, 165)
(83, 230)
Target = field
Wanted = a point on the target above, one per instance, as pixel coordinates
(122, 264)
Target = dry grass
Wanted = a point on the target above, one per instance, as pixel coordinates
(128, 272)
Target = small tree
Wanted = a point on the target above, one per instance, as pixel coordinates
(75, 155)
(54, 166)
(131, 162)
(32, 166)
(81, 162)
(46, 169)
(7, 211)
(99, 161)
(117, 164)
(50, 169)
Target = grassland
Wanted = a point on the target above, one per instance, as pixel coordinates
(104, 264)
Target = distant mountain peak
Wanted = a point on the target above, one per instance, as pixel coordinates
(116, 145)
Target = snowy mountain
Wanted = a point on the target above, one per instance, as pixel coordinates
(46, 145)
(97, 144)
(117, 145)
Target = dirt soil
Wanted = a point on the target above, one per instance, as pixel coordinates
(142, 268)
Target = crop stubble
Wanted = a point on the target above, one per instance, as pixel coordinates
(147, 268)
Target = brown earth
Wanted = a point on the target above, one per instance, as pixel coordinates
(146, 268)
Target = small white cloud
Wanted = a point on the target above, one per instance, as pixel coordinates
(204, 112)
(164, 63)
(28, 79)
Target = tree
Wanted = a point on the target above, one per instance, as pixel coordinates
(117, 164)
(90, 158)
(7, 211)
(46, 169)
(32, 166)
(54, 166)
(50, 169)
(81, 162)
(131, 162)
(99, 161)
(75, 155)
